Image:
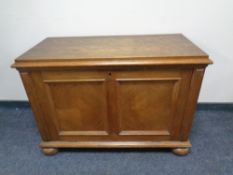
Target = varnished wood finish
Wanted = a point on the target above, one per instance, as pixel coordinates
(32, 85)
(181, 151)
(120, 144)
(174, 49)
(113, 92)
(108, 47)
(195, 86)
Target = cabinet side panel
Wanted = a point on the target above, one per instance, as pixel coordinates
(37, 108)
(191, 102)
(179, 104)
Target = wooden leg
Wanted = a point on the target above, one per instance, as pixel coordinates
(180, 151)
(49, 151)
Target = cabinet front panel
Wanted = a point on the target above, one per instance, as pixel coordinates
(117, 105)
(151, 102)
(145, 105)
(79, 103)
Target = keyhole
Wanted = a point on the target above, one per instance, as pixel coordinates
(109, 73)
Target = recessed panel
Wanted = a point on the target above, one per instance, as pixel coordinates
(145, 106)
(80, 106)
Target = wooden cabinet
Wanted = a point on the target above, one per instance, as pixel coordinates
(113, 92)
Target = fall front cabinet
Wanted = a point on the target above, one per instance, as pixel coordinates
(110, 92)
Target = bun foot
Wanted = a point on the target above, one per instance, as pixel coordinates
(49, 151)
(180, 151)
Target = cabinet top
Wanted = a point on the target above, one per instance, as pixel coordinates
(111, 49)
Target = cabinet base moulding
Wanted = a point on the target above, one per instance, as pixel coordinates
(132, 144)
(179, 148)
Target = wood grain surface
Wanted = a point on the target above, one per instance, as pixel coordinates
(144, 95)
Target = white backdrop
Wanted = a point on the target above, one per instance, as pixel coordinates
(208, 23)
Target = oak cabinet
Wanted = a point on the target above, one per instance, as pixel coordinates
(114, 92)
